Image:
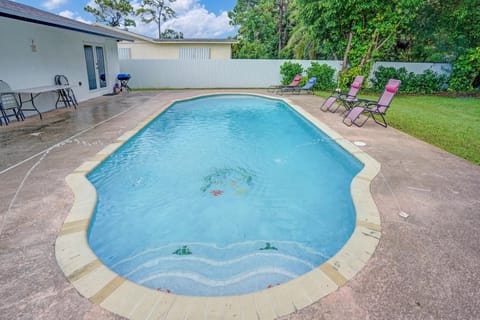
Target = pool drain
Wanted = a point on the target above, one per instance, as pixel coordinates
(360, 143)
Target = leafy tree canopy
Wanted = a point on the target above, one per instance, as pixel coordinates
(355, 31)
(263, 27)
(156, 11)
(113, 13)
(171, 34)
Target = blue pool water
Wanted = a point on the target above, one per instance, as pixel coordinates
(223, 195)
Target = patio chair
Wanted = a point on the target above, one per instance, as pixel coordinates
(345, 99)
(293, 85)
(374, 109)
(308, 87)
(296, 80)
(9, 105)
(67, 96)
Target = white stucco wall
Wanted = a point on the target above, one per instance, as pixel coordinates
(58, 51)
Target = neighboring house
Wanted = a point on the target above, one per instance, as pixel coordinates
(37, 45)
(188, 49)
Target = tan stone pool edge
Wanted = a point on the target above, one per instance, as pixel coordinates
(99, 284)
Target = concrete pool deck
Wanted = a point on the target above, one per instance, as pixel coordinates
(425, 266)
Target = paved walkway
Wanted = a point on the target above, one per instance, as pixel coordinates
(425, 267)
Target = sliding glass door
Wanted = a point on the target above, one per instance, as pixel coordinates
(95, 61)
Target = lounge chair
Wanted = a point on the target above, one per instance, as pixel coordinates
(292, 86)
(373, 108)
(67, 96)
(9, 105)
(345, 99)
(296, 80)
(308, 87)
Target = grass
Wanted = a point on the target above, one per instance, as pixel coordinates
(452, 124)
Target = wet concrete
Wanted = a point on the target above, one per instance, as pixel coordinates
(425, 267)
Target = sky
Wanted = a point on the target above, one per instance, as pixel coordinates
(195, 18)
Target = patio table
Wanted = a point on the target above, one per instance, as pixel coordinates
(35, 92)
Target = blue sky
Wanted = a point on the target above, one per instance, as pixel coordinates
(195, 18)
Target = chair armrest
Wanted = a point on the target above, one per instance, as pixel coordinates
(365, 100)
(364, 103)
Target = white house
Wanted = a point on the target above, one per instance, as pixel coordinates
(37, 45)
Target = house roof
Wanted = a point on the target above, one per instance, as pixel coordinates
(18, 11)
(152, 40)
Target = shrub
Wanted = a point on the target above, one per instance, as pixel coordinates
(426, 82)
(289, 70)
(429, 82)
(466, 72)
(324, 74)
(346, 77)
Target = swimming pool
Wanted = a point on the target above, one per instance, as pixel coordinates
(223, 195)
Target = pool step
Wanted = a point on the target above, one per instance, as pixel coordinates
(206, 269)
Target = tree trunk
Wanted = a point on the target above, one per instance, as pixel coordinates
(374, 45)
(159, 12)
(367, 56)
(287, 24)
(347, 50)
(280, 26)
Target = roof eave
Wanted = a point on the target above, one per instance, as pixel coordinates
(194, 41)
(47, 22)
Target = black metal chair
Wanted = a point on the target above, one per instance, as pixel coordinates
(66, 96)
(9, 105)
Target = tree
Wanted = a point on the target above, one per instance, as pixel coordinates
(359, 32)
(282, 23)
(263, 27)
(112, 12)
(356, 31)
(171, 34)
(445, 30)
(156, 10)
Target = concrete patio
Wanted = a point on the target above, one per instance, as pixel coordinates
(425, 267)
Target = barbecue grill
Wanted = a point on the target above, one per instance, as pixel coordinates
(123, 78)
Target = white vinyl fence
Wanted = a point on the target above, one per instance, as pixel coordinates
(415, 67)
(234, 73)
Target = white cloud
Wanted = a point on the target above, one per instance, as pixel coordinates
(67, 14)
(182, 6)
(199, 23)
(192, 19)
(92, 4)
(53, 4)
(80, 19)
(71, 15)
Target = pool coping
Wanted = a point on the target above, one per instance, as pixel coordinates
(95, 281)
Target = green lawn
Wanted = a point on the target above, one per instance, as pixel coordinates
(452, 124)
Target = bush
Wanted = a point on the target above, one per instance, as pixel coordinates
(466, 72)
(427, 82)
(346, 77)
(324, 74)
(289, 70)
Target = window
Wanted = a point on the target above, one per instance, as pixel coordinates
(194, 53)
(124, 53)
